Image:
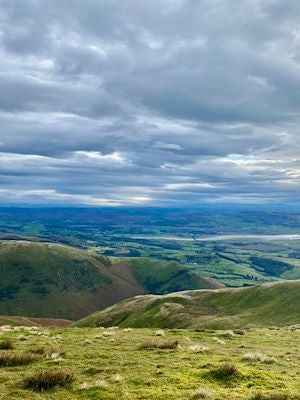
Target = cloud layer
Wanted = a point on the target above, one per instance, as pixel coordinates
(136, 102)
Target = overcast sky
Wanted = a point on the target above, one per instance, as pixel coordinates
(161, 102)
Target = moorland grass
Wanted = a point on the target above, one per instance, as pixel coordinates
(6, 344)
(48, 379)
(119, 369)
(162, 345)
(12, 359)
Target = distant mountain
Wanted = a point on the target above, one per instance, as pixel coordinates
(262, 305)
(56, 281)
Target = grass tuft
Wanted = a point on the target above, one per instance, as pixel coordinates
(9, 359)
(198, 348)
(257, 356)
(38, 350)
(6, 344)
(240, 332)
(225, 371)
(228, 334)
(48, 379)
(165, 345)
(203, 393)
(270, 396)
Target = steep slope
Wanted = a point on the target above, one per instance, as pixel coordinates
(263, 305)
(56, 281)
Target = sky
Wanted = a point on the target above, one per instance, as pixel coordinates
(161, 102)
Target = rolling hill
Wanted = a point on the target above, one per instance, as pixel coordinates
(56, 281)
(275, 304)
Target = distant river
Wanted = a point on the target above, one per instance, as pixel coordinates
(218, 238)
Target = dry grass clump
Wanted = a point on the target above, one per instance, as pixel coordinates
(203, 393)
(228, 334)
(225, 371)
(56, 353)
(257, 356)
(117, 378)
(97, 384)
(6, 344)
(9, 359)
(165, 345)
(217, 340)
(108, 334)
(48, 379)
(198, 348)
(270, 396)
(240, 332)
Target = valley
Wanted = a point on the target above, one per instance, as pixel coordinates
(235, 248)
(149, 305)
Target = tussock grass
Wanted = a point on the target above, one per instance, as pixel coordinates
(6, 344)
(97, 384)
(38, 350)
(165, 345)
(108, 334)
(258, 356)
(240, 332)
(56, 353)
(225, 371)
(198, 348)
(203, 393)
(117, 378)
(270, 396)
(11, 359)
(228, 334)
(48, 379)
(217, 340)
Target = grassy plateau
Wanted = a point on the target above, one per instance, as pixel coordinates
(115, 363)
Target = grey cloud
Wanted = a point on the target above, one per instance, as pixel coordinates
(125, 100)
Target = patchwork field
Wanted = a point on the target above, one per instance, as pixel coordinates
(148, 364)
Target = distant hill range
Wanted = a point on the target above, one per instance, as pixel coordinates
(276, 304)
(47, 280)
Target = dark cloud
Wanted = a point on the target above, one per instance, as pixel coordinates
(161, 102)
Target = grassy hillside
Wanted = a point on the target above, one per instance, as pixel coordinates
(262, 305)
(159, 277)
(138, 364)
(56, 281)
(12, 320)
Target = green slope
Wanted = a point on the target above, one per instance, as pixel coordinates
(161, 277)
(56, 281)
(264, 305)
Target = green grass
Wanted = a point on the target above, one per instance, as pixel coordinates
(262, 305)
(166, 277)
(109, 364)
(55, 281)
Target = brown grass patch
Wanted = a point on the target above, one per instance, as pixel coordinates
(9, 359)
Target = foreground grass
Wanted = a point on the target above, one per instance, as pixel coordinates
(116, 364)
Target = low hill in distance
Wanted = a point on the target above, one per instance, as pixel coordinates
(16, 321)
(55, 281)
(275, 304)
